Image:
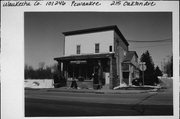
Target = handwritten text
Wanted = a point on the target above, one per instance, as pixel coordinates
(79, 3)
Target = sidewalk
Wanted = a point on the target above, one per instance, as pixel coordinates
(101, 91)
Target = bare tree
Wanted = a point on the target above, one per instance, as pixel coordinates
(41, 65)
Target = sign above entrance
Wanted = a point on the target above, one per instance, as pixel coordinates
(78, 62)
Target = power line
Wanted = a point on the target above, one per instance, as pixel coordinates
(150, 41)
(151, 46)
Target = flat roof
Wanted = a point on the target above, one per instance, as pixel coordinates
(98, 29)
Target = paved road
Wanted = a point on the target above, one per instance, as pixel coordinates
(46, 103)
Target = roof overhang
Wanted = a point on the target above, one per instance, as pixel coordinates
(84, 57)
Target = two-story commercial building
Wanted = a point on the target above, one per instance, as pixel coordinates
(98, 56)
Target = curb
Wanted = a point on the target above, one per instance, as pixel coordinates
(94, 91)
(104, 92)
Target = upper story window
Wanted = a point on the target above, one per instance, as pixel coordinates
(97, 48)
(78, 49)
(110, 48)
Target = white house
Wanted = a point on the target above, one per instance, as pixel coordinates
(104, 49)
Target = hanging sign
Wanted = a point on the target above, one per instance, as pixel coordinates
(78, 62)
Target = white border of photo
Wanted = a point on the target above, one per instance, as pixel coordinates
(12, 55)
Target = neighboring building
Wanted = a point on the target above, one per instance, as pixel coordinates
(130, 67)
(103, 51)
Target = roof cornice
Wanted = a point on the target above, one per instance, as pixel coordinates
(98, 29)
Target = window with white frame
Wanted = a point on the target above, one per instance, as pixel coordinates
(78, 49)
(97, 48)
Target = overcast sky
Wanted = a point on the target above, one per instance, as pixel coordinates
(44, 38)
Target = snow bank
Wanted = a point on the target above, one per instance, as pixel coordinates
(39, 83)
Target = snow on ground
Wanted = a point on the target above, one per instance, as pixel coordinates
(166, 82)
(39, 83)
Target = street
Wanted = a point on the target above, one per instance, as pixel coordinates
(48, 103)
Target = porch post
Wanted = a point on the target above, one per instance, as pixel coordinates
(65, 68)
(59, 66)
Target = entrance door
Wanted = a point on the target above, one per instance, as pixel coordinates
(126, 77)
